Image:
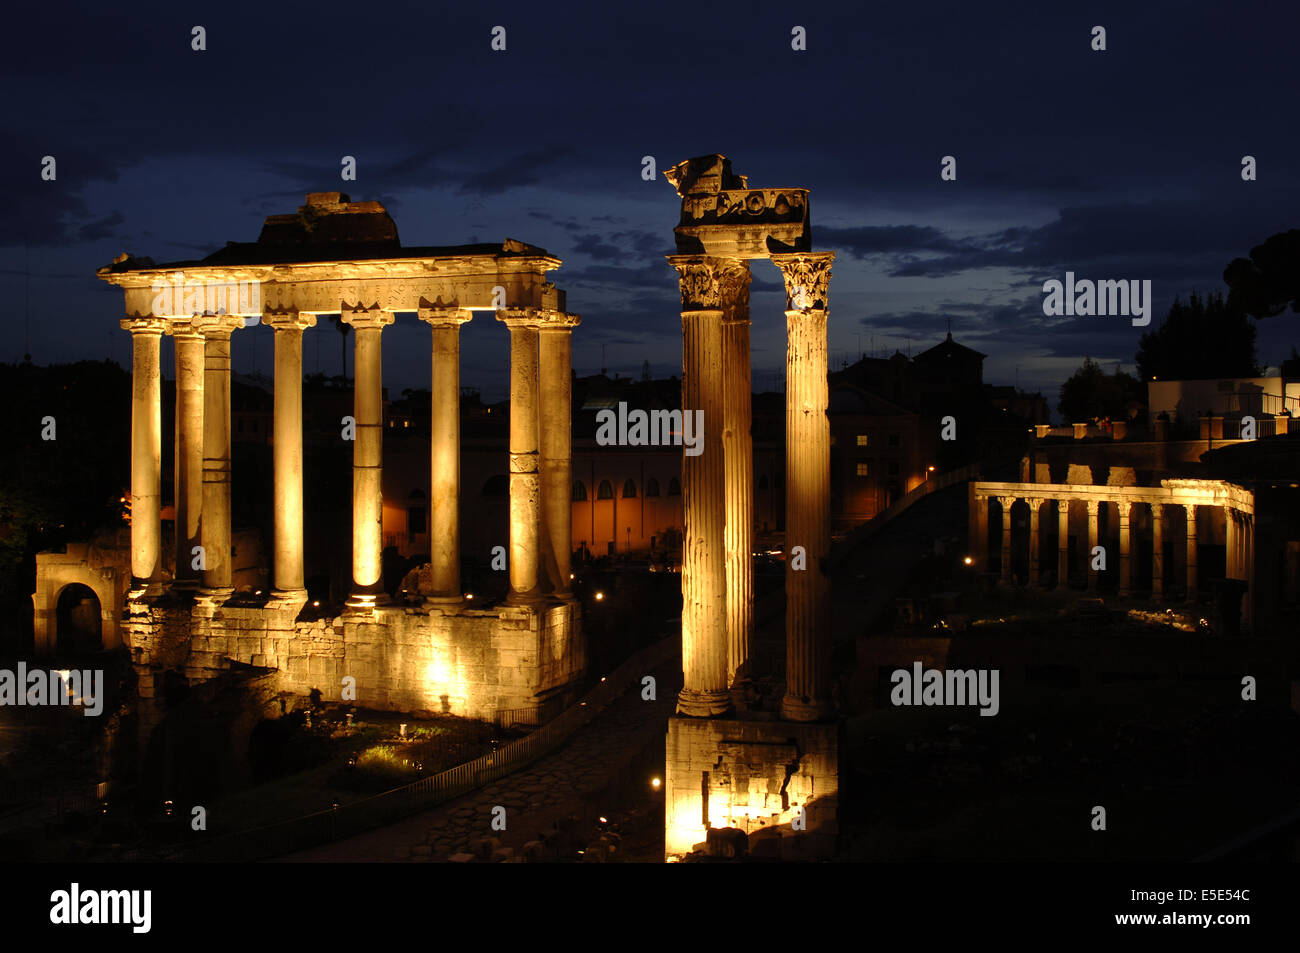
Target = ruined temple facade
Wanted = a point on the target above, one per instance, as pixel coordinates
(335, 256)
(727, 766)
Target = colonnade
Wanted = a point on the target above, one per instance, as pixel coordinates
(1236, 503)
(717, 483)
(540, 465)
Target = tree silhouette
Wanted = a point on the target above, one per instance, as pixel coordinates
(1269, 280)
(1199, 339)
(343, 329)
(1092, 394)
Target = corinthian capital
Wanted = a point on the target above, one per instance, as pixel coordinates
(807, 279)
(707, 284)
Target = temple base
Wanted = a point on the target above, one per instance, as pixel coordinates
(777, 781)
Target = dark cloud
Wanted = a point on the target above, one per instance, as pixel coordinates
(524, 169)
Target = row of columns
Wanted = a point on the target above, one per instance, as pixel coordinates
(1240, 541)
(540, 453)
(717, 484)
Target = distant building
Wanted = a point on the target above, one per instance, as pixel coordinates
(1231, 398)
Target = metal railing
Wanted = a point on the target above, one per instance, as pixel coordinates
(310, 830)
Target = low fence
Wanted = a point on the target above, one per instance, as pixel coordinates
(321, 827)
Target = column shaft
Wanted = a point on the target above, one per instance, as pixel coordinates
(525, 481)
(444, 454)
(367, 458)
(288, 575)
(807, 488)
(1007, 503)
(146, 453)
(1230, 542)
(704, 596)
(1192, 580)
(555, 350)
(188, 477)
(1034, 506)
(1125, 543)
(1093, 507)
(738, 453)
(1062, 543)
(218, 572)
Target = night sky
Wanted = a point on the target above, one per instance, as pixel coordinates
(1117, 164)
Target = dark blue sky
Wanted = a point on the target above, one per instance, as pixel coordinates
(1116, 164)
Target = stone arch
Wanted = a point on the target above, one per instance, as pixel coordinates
(78, 620)
(56, 572)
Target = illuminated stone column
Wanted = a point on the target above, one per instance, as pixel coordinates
(367, 457)
(288, 571)
(188, 467)
(146, 453)
(525, 481)
(1125, 547)
(215, 524)
(1248, 567)
(444, 450)
(978, 530)
(1191, 551)
(555, 358)
(1231, 542)
(704, 599)
(1035, 503)
(1062, 543)
(1007, 503)
(738, 466)
(1157, 549)
(1094, 507)
(807, 486)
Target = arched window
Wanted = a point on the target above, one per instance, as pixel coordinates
(652, 487)
(604, 491)
(629, 489)
(674, 487)
(579, 491)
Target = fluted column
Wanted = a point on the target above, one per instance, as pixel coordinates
(1062, 543)
(218, 572)
(1007, 503)
(1157, 549)
(525, 481)
(1125, 545)
(1248, 567)
(444, 453)
(1191, 551)
(1035, 504)
(146, 453)
(704, 595)
(288, 573)
(738, 467)
(807, 485)
(188, 467)
(1230, 543)
(555, 441)
(1094, 507)
(367, 457)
